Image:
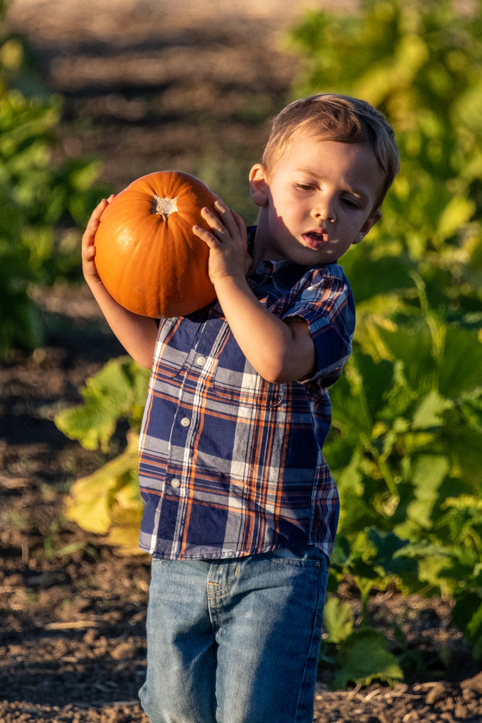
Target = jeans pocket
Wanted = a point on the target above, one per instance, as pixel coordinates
(304, 556)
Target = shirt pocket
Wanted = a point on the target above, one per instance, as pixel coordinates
(246, 388)
(170, 363)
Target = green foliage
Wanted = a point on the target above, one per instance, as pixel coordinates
(108, 501)
(360, 655)
(42, 205)
(337, 619)
(406, 439)
(363, 657)
(421, 64)
(118, 391)
(467, 614)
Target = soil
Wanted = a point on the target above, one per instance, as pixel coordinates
(176, 90)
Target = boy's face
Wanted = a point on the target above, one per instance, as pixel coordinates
(317, 201)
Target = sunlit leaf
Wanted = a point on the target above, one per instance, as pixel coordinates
(338, 619)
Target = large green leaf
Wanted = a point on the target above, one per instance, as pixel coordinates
(117, 391)
(413, 345)
(364, 657)
(461, 370)
(428, 473)
(108, 501)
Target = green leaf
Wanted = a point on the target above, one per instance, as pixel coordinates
(462, 362)
(109, 496)
(370, 276)
(364, 657)
(337, 619)
(377, 381)
(111, 394)
(350, 406)
(388, 555)
(456, 213)
(467, 615)
(356, 514)
(428, 474)
(412, 344)
(430, 410)
(341, 551)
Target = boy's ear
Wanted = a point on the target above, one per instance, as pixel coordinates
(258, 184)
(369, 223)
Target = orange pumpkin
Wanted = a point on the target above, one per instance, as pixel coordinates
(146, 253)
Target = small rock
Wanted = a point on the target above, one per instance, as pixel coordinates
(123, 650)
(15, 650)
(15, 580)
(474, 683)
(436, 694)
(410, 717)
(90, 636)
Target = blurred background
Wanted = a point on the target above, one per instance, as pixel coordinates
(146, 87)
(94, 95)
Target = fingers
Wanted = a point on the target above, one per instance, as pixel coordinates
(94, 219)
(239, 223)
(205, 236)
(224, 223)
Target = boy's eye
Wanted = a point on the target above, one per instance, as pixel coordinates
(304, 186)
(350, 203)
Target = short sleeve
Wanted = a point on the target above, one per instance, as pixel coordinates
(325, 301)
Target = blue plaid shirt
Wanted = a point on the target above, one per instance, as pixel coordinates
(230, 464)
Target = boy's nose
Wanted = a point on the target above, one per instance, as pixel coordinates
(324, 209)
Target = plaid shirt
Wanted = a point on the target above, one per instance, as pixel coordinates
(230, 464)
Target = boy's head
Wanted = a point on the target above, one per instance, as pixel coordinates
(338, 118)
(327, 166)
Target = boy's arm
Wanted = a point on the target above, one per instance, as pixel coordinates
(279, 351)
(137, 334)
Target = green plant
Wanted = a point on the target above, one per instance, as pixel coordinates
(42, 205)
(358, 655)
(404, 446)
(108, 501)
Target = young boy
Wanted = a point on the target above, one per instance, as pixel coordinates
(240, 507)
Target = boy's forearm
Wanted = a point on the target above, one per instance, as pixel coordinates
(136, 333)
(279, 351)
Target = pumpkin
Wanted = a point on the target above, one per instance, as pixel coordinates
(147, 256)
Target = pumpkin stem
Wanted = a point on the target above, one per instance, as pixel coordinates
(164, 206)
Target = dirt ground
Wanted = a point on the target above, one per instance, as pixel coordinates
(148, 88)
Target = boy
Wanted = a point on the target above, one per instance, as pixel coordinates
(240, 507)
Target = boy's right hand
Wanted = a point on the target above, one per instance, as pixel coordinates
(88, 247)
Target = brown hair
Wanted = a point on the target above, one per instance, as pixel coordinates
(335, 118)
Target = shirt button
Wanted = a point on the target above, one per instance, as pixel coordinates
(201, 361)
(175, 483)
(185, 421)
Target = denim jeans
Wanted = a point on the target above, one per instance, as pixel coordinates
(235, 640)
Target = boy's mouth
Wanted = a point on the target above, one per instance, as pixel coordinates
(315, 239)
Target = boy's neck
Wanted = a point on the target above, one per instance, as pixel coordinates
(262, 247)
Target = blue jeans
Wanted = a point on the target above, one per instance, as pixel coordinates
(235, 640)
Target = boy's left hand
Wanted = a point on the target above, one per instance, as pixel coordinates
(227, 241)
